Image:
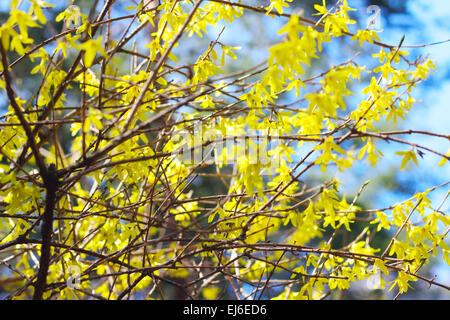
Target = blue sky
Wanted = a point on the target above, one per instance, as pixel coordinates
(434, 112)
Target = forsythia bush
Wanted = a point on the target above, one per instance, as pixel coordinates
(101, 164)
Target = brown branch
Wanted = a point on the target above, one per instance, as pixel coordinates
(46, 231)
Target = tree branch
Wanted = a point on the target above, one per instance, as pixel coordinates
(47, 229)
